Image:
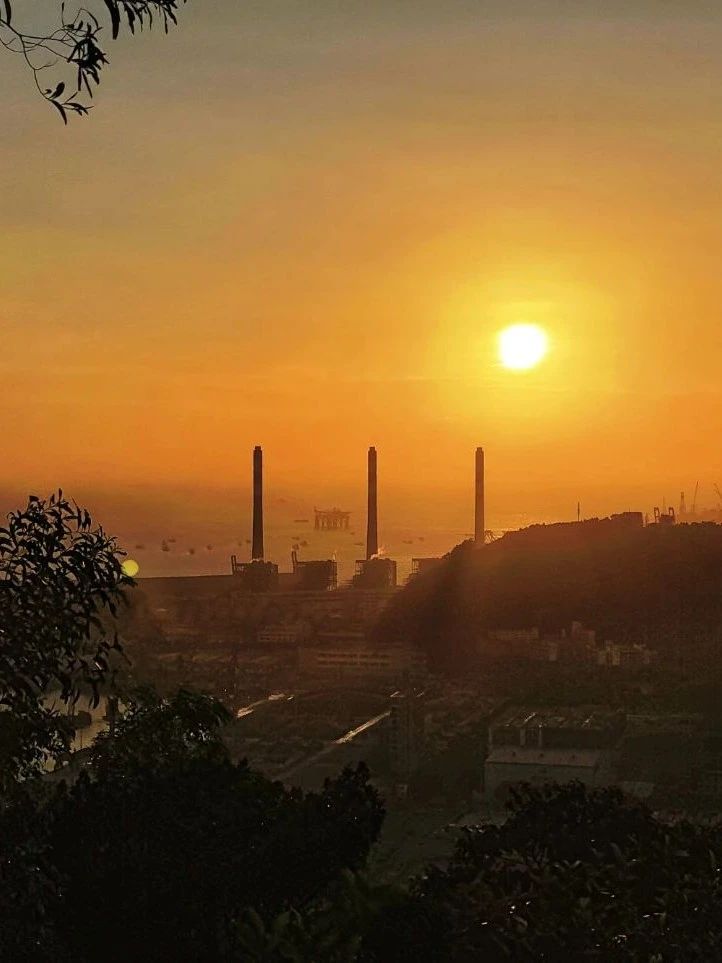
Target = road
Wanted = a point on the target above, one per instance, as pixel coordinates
(343, 740)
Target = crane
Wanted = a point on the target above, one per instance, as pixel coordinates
(719, 494)
(694, 500)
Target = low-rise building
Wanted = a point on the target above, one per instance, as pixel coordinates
(624, 656)
(348, 660)
(530, 645)
(284, 633)
(376, 573)
(509, 765)
(420, 566)
(405, 730)
(560, 744)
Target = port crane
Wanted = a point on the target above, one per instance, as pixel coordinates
(719, 495)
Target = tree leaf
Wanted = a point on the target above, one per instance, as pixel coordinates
(112, 6)
(60, 110)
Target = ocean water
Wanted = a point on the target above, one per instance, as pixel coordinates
(183, 554)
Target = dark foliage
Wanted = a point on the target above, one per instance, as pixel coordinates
(573, 874)
(660, 583)
(161, 842)
(58, 577)
(74, 52)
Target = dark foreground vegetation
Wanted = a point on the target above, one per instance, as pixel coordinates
(660, 584)
(154, 846)
(160, 844)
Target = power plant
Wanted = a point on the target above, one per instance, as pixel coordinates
(375, 572)
(257, 575)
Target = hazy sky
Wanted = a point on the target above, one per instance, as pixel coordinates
(301, 224)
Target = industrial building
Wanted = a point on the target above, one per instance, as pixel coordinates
(405, 735)
(612, 654)
(189, 609)
(375, 571)
(283, 633)
(259, 575)
(315, 575)
(576, 645)
(420, 566)
(353, 660)
(579, 644)
(547, 745)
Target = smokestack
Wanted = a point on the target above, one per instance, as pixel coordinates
(372, 530)
(479, 498)
(257, 547)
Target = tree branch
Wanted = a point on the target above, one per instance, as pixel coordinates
(74, 52)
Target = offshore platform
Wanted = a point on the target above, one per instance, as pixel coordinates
(331, 519)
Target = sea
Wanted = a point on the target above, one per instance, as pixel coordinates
(177, 554)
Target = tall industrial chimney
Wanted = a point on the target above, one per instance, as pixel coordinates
(372, 523)
(479, 498)
(257, 547)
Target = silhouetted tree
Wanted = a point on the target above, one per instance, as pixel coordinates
(161, 843)
(66, 61)
(572, 874)
(59, 576)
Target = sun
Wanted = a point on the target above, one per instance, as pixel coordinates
(522, 346)
(130, 567)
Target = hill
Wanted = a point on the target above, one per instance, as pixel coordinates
(660, 584)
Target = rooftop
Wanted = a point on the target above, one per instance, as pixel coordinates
(557, 717)
(532, 756)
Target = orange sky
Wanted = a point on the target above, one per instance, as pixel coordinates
(302, 225)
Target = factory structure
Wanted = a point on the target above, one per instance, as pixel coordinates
(560, 744)
(305, 614)
(375, 572)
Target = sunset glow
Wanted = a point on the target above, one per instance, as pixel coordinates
(317, 287)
